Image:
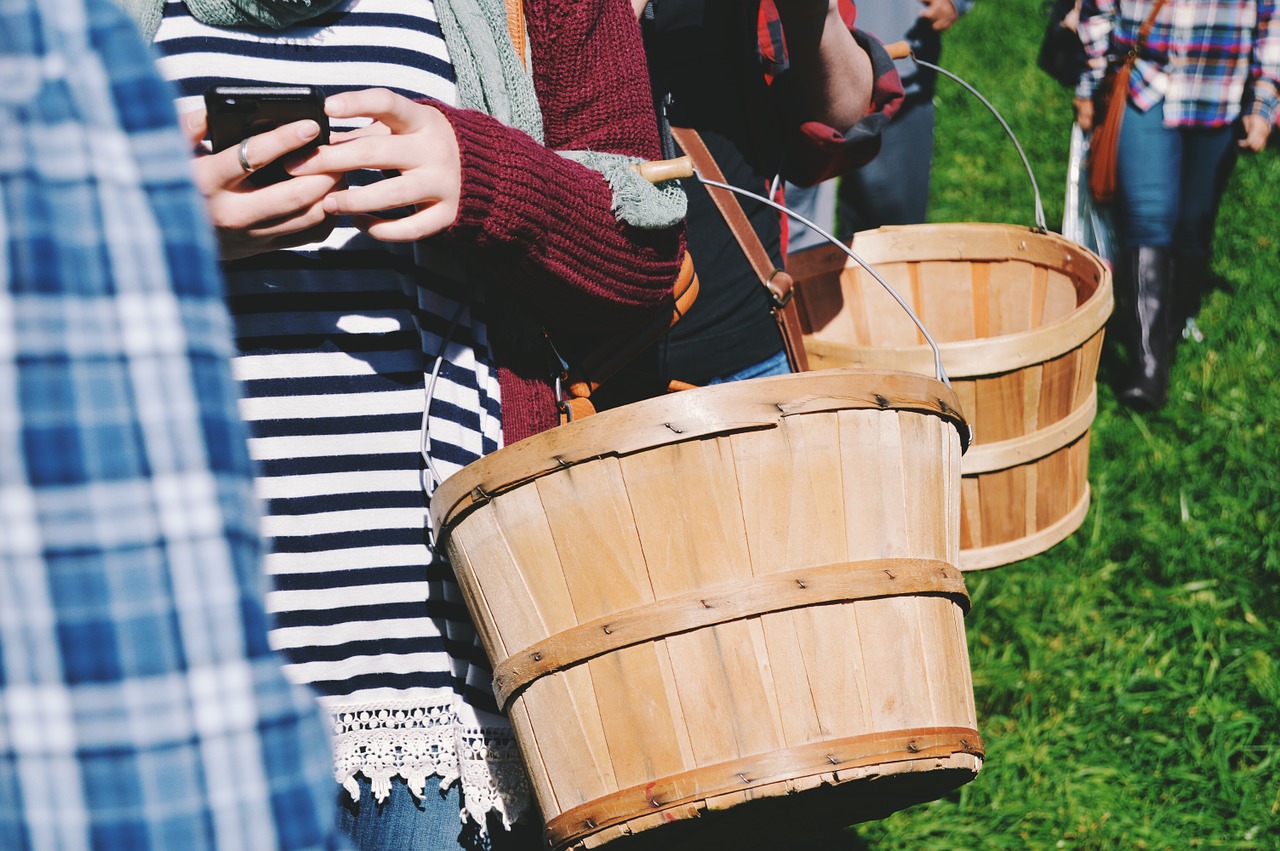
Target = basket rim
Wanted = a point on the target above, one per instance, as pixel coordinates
(971, 358)
(740, 406)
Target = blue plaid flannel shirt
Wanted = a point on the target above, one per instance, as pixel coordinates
(140, 706)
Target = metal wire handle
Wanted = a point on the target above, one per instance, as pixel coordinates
(902, 50)
(938, 371)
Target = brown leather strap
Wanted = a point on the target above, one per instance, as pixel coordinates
(779, 284)
(773, 592)
(815, 759)
(1144, 31)
(603, 363)
(1105, 139)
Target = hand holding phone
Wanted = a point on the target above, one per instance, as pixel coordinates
(251, 218)
(238, 112)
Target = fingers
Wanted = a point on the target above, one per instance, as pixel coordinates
(397, 112)
(1084, 113)
(436, 210)
(406, 190)
(289, 198)
(941, 14)
(237, 245)
(195, 124)
(1257, 132)
(224, 169)
(425, 222)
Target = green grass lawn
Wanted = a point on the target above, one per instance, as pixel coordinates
(1127, 681)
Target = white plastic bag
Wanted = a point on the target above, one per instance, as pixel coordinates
(1083, 221)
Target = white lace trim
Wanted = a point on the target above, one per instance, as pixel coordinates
(414, 741)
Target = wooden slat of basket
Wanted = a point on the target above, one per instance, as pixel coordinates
(926, 523)
(716, 670)
(806, 531)
(488, 549)
(1011, 298)
(944, 301)
(1086, 376)
(946, 706)
(837, 678)
(1005, 488)
(980, 295)
(820, 268)
(884, 322)
(604, 572)
(494, 552)
(1053, 496)
(1000, 412)
(1061, 298)
(971, 537)
(562, 741)
(1057, 398)
(885, 626)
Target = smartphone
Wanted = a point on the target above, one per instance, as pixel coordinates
(236, 112)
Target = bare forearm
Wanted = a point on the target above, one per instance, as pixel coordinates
(830, 73)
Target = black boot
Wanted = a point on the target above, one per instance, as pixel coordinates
(1190, 282)
(1144, 293)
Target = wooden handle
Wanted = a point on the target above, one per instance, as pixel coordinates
(660, 170)
(898, 50)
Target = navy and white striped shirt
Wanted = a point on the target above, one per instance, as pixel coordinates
(337, 344)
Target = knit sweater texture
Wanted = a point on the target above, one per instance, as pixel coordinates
(543, 226)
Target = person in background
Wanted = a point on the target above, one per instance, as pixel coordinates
(806, 107)
(1206, 85)
(400, 305)
(892, 189)
(140, 704)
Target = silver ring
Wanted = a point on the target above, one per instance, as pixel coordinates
(244, 157)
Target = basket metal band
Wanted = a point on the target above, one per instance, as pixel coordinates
(774, 592)
(1025, 448)
(818, 758)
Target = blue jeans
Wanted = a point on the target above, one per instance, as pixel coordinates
(1169, 181)
(404, 823)
(775, 365)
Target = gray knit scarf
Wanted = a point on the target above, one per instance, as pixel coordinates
(274, 14)
(491, 77)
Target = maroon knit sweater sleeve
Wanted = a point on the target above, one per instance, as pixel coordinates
(544, 225)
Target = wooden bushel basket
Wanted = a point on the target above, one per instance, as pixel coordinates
(1018, 315)
(729, 615)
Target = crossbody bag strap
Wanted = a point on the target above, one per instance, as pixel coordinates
(1144, 31)
(780, 285)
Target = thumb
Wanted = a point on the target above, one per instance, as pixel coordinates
(195, 124)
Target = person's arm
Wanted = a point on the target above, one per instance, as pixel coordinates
(815, 150)
(942, 14)
(547, 219)
(1097, 17)
(1265, 72)
(829, 71)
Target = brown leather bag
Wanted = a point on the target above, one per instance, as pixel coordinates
(1113, 96)
(780, 285)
